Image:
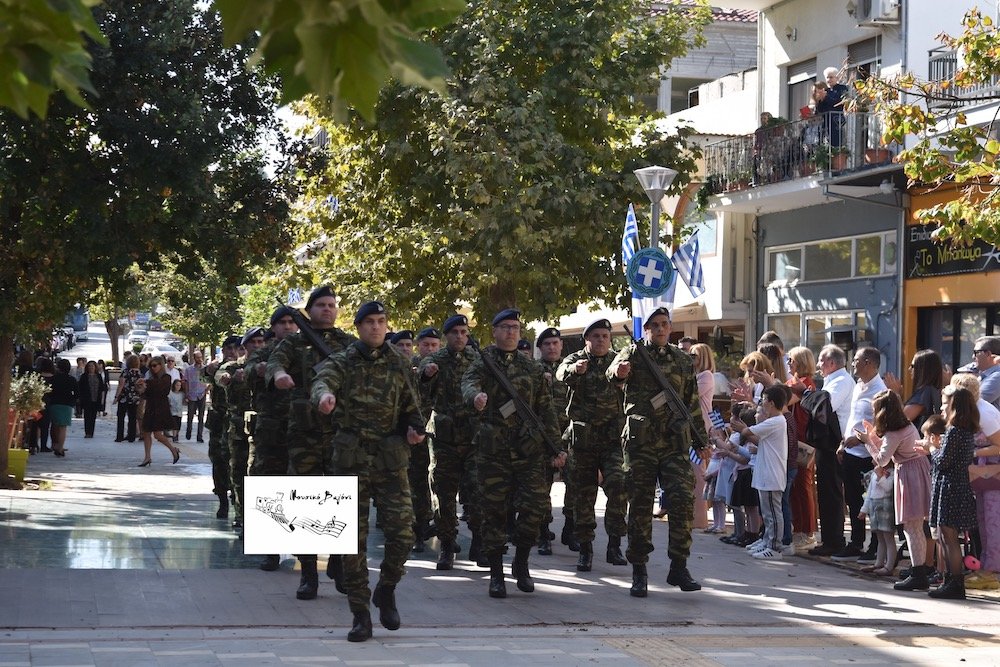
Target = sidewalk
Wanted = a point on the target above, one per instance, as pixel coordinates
(110, 564)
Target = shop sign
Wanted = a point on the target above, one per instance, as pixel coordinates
(925, 257)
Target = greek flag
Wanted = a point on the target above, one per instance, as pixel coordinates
(630, 237)
(687, 261)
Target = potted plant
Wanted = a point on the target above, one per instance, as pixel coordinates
(838, 157)
(879, 155)
(821, 156)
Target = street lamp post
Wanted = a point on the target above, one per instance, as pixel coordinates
(655, 181)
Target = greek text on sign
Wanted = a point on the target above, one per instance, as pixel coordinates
(650, 272)
(925, 257)
(300, 514)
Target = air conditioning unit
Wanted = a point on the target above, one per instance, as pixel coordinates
(874, 13)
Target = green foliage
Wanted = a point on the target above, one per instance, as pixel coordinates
(27, 393)
(204, 308)
(513, 188)
(947, 149)
(343, 51)
(42, 50)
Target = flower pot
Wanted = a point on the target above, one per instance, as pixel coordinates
(877, 156)
(838, 162)
(17, 463)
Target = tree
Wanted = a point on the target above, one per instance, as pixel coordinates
(164, 169)
(510, 190)
(343, 51)
(949, 150)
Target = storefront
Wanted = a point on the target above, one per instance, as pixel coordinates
(951, 295)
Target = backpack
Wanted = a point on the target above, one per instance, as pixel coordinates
(823, 425)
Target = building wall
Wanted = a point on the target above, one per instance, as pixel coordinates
(875, 296)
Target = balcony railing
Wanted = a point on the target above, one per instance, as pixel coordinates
(829, 142)
(942, 64)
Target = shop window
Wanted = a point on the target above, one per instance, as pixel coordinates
(829, 260)
(788, 328)
(952, 331)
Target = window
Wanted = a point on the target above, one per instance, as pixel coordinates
(952, 331)
(834, 259)
(801, 77)
(788, 328)
(814, 330)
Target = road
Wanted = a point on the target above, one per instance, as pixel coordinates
(98, 343)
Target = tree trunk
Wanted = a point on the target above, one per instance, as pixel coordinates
(6, 362)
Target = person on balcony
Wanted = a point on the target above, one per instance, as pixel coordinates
(831, 96)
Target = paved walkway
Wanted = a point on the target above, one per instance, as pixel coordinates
(108, 564)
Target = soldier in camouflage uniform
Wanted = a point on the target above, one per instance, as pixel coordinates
(218, 423)
(428, 342)
(310, 452)
(235, 380)
(656, 445)
(454, 427)
(595, 408)
(511, 457)
(377, 420)
(269, 440)
(550, 344)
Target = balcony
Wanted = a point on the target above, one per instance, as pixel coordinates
(830, 143)
(942, 64)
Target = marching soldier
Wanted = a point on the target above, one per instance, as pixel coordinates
(595, 408)
(454, 425)
(290, 367)
(269, 439)
(656, 445)
(218, 423)
(233, 377)
(428, 342)
(377, 420)
(403, 341)
(511, 453)
(550, 345)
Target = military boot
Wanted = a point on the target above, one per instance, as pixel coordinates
(362, 628)
(309, 583)
(586, 560)
(519, 569)
(544, 541)
(680, 577)
(270, 563)
(384, 598)
(568, 536)
(335, 571)
(476, 547)
(498, 589)
(446, 559)
(223, 511)
(615, 556)
(639, 580)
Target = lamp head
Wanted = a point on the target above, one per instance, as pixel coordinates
(655, 181)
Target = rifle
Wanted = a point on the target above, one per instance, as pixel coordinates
(305, 328)
(669, 394)
(527, 416)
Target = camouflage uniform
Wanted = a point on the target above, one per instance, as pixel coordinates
(560, 400)
(454, 426)
(238, 401)
(218, 444)
(419, 470)
(376, 403)
(656, 445)
(309, 433)
(595, 408)
(510, 461)
(269, 440)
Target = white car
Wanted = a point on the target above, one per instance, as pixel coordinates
(162, 349)
(140, 336)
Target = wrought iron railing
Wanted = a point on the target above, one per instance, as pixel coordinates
(831, 142)
(942, 64)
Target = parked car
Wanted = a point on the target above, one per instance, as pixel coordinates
(138, 336)
(155, 325)
(163, 349)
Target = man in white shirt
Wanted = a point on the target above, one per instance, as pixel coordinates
(984, 351)
(829, 485)
(853, 456)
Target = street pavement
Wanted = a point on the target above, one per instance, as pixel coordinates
(104, 563)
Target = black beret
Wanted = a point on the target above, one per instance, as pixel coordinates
(429, 332)
(369, 308)
(455, 321)
(318, 293)
(281, 311)
(231, 341)
(405, 334)
(524, 344)
(659, 311)
(252, 333)
(551, 332)
(507, 314)
(599, 323)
